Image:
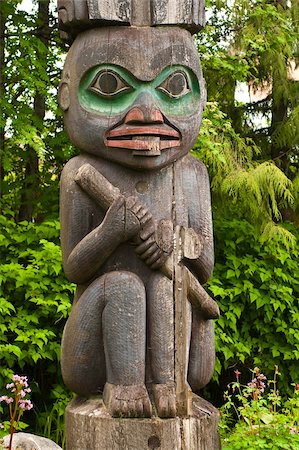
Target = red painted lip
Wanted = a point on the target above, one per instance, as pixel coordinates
(143, 138)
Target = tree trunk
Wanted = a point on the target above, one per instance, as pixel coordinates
(2, 89)
(31, 180)
(279, 112)
(279, 115)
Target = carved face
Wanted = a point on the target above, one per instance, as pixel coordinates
(133, 95)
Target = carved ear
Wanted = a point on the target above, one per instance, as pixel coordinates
(72, 11)
(70, 14)
(64, 96)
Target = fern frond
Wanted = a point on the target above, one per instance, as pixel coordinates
(274, 232)
(296, 191)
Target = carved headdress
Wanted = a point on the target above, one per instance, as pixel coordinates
(78, 15)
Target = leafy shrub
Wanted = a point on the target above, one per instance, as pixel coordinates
(263, 420)
(257, 287)
(35, 300)
(50, 422)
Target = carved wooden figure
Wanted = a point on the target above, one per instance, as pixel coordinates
(136, 226)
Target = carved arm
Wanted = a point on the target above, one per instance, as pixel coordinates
(100, 189)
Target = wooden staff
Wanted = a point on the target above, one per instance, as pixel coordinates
(185, 284)
(104, 193)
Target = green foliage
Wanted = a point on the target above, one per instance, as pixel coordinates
(251, 151)
(35, 300)
(50, 422)
(257, 288)
(256, 43)
(255, 183)
(263, 420)
(259, 190)
(6, 426)
(34, 149)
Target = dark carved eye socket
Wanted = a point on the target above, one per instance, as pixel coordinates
(108, 83)
(176, 85)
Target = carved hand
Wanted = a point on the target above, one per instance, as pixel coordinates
(157, 243)
(126, 217)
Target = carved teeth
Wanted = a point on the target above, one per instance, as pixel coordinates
(153, 146)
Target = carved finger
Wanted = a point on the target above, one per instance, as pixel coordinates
(138, 210)
(162, 407)
(160, 261)
(154, 257)
(146, 218)
(147, 230)
(149, 252)
(136, 207)
(131, 412)
(139, 408)
(144, 246)
(131, 202)
(124, 407)
(147, 408)
(172, 406)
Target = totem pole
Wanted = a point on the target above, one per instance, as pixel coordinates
(136, 227)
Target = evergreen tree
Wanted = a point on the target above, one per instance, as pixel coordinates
(33, 145)
(251, 150)
(256, 42)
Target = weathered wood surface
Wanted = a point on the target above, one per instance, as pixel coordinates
(110, 10)
(88, 13)
(182, 318)
(90, 427)
(132, 101)
(187, 246)
(178, 12)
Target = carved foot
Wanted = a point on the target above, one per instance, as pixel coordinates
(165, 400)
(127, 401)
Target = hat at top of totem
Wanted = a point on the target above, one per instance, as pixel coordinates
(78, 15)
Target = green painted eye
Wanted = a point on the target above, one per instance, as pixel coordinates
(111, 89)
(108, 83)
(176, 85)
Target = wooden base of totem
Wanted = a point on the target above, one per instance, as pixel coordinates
(90, 427)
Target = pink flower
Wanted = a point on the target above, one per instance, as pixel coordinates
(252, 384)
(10, 385)
(237, 374)
(21, 381)
(1, 425)
(25, 405)
(6, 399)
(22, 393)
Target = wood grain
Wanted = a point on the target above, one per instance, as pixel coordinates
(76, 15)
(90, 427)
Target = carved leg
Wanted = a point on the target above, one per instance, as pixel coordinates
(161, 343)
(124, 331)
(82, 357)
(202, 352)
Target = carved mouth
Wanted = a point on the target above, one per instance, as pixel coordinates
(147, 140)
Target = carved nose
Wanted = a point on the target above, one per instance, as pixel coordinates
(137, 115)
